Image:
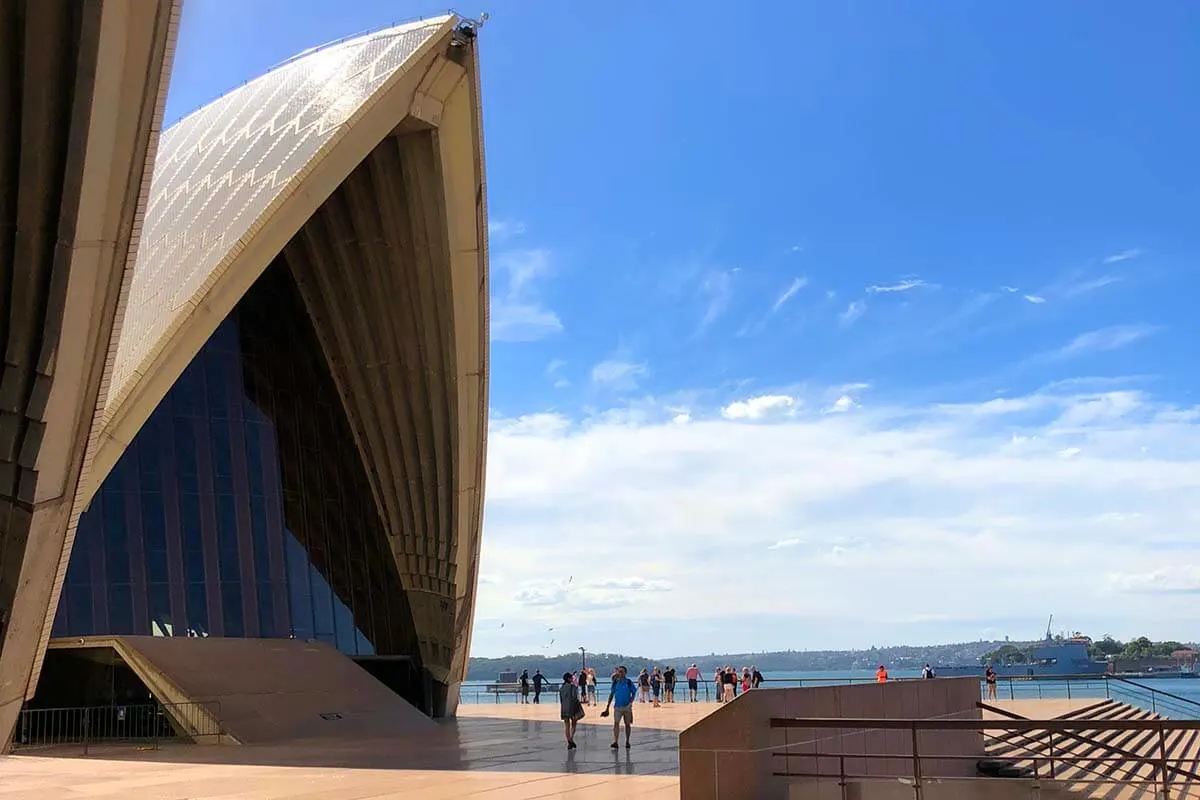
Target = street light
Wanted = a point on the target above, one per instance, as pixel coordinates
(583, 658)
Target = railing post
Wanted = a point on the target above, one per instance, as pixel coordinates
(1068, 688)
(86, 718)
(916, 756)
(1011, 695)
(842, 777)
(1162, 762)
(1051, 755)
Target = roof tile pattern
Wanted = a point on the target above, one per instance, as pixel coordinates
(221, 167)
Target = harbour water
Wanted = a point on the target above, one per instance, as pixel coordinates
(1177, 698)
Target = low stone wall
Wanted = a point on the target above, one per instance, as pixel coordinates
(731, 753)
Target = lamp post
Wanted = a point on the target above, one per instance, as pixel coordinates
(583, 658)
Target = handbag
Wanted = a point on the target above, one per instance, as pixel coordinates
(577, 712)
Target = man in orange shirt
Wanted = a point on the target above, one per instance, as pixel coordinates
(881, 675)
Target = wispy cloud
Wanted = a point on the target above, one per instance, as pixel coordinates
(516, 313)
(501, 230)
(905, 285)
(1036, 299)
(852, 313)
(1089, 285)
(554, 373)
(716, 289)
(1102, 339)
(1125, 255)
(1009, 289)
(788, 293)
(618, 374)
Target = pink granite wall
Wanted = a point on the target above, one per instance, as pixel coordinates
(731, 753)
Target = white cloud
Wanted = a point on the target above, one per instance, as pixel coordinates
(1102, 339)
(1009, 289)
(784, 543)
(682, 418)
(975, 499)
(758, 407)
(852, 313)
(1035, 299)
(795, 286)
(633, 585)
(615, 373)
(1126, 255)
(842, 404)
(516, 314)
(1172, 579)
(905, 285)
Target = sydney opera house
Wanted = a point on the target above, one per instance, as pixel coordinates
(244, 391)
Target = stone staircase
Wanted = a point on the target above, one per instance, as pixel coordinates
(1098, 763)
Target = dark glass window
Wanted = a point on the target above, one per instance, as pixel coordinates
(120, 609)
(193, 542)
(185, 455)
(227, 538)
(258, 394)
(222, 454)
(197, 608)
(231, 609)
(116, 539)
(160, 609)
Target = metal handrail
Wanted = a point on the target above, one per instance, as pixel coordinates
(874, 723)
(1166, 771)
(1185, 701)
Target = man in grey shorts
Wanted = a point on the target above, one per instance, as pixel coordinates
(620, 699)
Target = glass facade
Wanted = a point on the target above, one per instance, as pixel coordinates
(241, 508)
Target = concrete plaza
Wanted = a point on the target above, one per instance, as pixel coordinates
(505, 750)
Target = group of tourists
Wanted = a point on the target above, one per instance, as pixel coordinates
(582, 683)
(729, 682)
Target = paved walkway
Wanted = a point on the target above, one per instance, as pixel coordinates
(503, 751)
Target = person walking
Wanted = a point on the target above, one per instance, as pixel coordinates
(693, 679)
(524, 686)
(989, 677)
(881, 675)
(620, 700)
(756, 678)
(669, 685)
(538, 680)
(656, 681)
(570, 709)
(591, 686)
(644, 686)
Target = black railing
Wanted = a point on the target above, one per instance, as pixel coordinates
(1069, 687)
(1081, 755)
(147, 723)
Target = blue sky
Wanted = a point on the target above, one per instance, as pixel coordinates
(835, 325)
